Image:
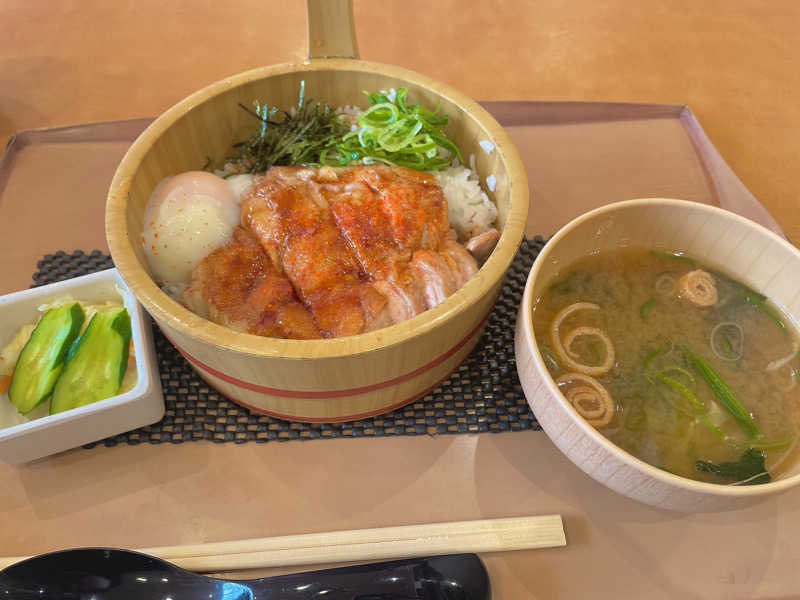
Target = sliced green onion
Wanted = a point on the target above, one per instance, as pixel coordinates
(687, 411)
(397, 136)
(646, 307)
(727, 346)
(755, 479)
(677, 369)
(700, 410)
(677, 385)
(379, 115)
(723, 392)
(760, 302)
(395, 133)
(771, 444)
(651, 355)
(423, 144)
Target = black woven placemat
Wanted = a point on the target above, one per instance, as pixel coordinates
(483, 394)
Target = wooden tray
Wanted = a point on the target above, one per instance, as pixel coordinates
(579, 155)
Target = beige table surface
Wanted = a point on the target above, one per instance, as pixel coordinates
(734, 63)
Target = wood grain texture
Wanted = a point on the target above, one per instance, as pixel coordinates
(718, 238)
(331, 29)
(487, 535)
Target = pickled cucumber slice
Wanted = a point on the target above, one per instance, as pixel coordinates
(43, 356)
(96, 362)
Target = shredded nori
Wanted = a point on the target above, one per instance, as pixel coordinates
(298, 138)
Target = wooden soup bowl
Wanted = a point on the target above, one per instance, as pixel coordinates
(721, 239)
(319, 380)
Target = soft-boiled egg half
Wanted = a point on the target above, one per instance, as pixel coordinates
(188, 216)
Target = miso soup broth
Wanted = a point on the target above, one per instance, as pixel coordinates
(675, 362)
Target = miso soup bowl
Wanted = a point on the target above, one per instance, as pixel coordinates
(315, 380)
(716, 237)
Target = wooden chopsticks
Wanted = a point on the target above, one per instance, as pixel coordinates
(491, 535)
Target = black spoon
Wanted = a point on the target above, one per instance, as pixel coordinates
(110, 574)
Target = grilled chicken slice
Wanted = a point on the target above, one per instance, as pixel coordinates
(405, 297)
(363, 247)
(436, 275)
(481, 245)
(413, 203)
(289, 214)
(461, 262)
(385, 215)
(237, 285)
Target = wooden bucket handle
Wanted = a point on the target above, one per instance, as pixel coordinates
(331, 29)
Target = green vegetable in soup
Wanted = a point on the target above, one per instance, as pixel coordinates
(681, 370)
(748, 470)
(651, 355)
(700, 410)
(760, 302)
(773, 444)
(727, 346)
(646, 307)
(754, 299)
(573, 282)
(723, 393)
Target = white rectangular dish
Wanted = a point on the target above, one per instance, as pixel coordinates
(38, 434)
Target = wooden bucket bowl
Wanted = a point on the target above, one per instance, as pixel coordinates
(319, 380)
(721, 239)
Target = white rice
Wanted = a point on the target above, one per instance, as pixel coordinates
(468, 207)
(349, 114)
(229, 169)
(391, 94)
(240, 185)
